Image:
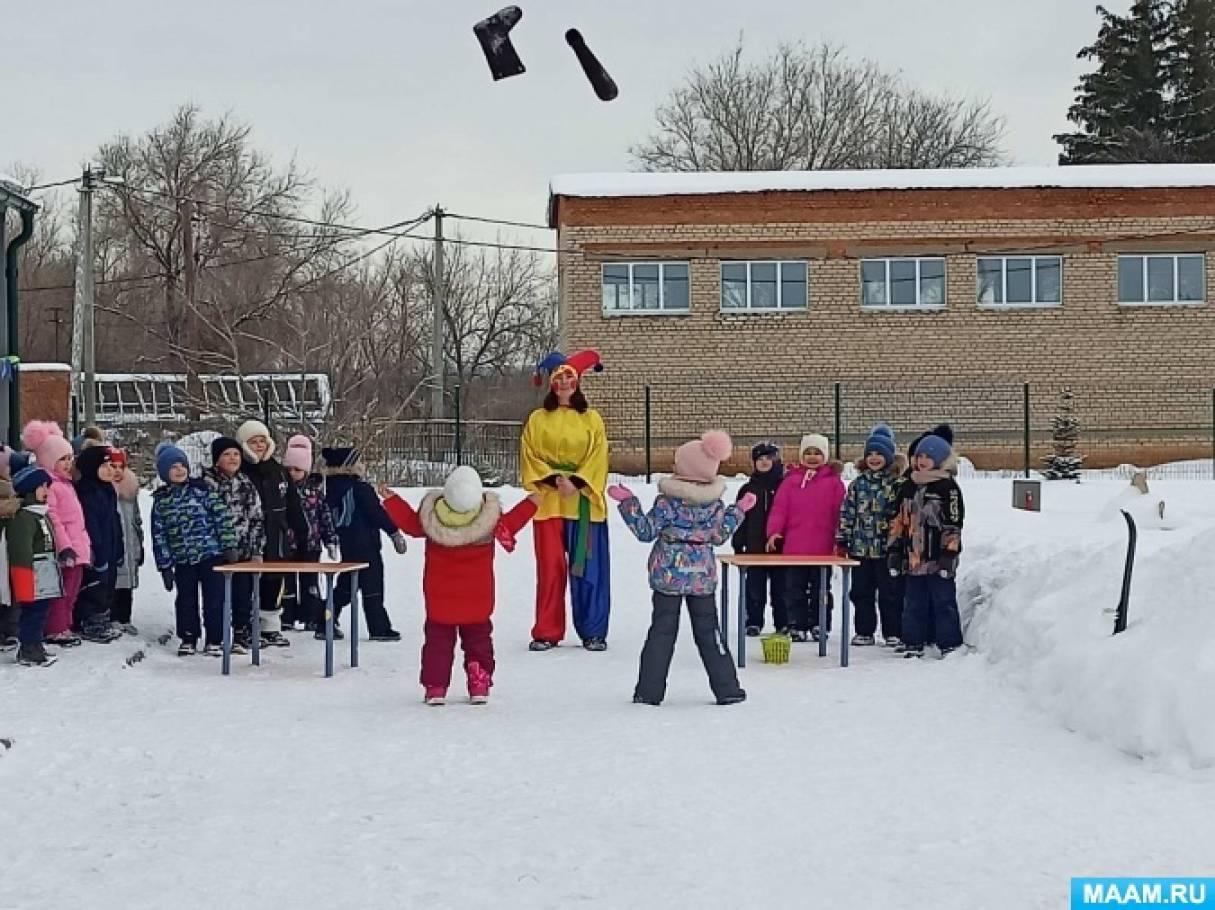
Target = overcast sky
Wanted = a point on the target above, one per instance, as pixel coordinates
(392, 99)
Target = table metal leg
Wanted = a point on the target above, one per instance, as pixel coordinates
(742, 615)
(257, 620)
(227, 668)
(846, 609)
(724, 620)
(824, 580)
(354, 621)
(328, 625)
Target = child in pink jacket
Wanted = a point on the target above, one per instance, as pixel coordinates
(54, 455)
(803, 522)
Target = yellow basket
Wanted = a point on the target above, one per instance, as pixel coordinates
(776, 648)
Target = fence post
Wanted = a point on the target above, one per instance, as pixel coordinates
(459, 429)
(75, 415)
(648, 462)
(266, 410)
(1025, 403)
(838, 422)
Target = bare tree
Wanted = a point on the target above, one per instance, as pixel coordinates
(500, 310)
(46, 269)
(811, 108)
(207, 241)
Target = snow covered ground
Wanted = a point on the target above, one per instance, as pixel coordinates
(984, 780)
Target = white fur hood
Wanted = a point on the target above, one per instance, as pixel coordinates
(695, 493)
(481, 530)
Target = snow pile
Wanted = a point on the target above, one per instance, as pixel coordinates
(1041, 610)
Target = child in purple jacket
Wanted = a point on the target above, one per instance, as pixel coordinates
(803, 522)
(687, 521)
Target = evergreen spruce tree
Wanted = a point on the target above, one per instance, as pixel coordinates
(1191, 76)
(1064, 464)
(1121, 106)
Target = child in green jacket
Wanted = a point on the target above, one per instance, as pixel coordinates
(33, 567)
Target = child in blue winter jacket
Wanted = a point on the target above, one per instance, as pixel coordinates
(192, 532)
(863, 531)
(687, 521)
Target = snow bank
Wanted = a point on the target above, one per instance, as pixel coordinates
(1039, 609)
(1079, 176)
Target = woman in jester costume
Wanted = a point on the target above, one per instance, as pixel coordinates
(564, 460)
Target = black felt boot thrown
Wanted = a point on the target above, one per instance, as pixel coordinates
(604, 85)
(494, 35)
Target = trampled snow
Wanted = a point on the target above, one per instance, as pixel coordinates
(1092, 176)
(984, 780)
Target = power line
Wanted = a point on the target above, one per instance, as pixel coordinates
(129, 279)
(518, 224)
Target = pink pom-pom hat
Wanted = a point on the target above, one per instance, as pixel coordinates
(699, 459)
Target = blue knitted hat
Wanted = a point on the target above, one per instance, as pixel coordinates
(29, 479)
(168, 455)
(881, 440)
(935, 448)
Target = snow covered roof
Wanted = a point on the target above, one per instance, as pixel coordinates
(1076, 176)
(13, 192)
(46, 368)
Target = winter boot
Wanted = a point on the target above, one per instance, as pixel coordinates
(595, 644)
(862, 641)
(63, 640)
(275, 640)
(478, 684)
(638, 700)
(319, 634)
(34, 656)
(98, 631)
(736, 698)
(539, 645)
(390, 635)
(753, 631)
(10, 643)
(187, 648)
(893, 641)
(436, 696)
(211, 649)
(911, 651)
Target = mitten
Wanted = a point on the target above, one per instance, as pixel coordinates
(896, 552)
(166, 576)
(67, 557)
(333, 553)
(747, 501)
(399, 543)
(620, 492)
(841, 550)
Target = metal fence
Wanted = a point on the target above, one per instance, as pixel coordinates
(998, 424)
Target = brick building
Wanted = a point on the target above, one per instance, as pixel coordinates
(771, 304)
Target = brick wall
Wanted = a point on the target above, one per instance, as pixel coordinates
(45, 395)
(1142, 375)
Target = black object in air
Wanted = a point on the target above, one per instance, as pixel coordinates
(494, 35)
(604, 85)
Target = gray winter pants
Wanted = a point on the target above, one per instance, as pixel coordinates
(660, 647)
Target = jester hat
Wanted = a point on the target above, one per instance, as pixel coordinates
(580, 362)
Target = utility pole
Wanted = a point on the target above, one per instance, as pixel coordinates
(437, 306)
(189, 311)
(82, 309)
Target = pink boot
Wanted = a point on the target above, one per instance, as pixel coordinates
(436, 696)
(478, 684)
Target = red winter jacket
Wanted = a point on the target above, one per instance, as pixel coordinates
(458, 578)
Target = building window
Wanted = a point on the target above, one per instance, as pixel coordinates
(1020, 280)
(903, 283)
(1161, 279)
(763, 286)
(645, 287)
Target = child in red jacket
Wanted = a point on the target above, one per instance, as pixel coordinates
(460, 524)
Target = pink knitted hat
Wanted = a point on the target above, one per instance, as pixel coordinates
(46, 441)
(699, 459)
(299, 453)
